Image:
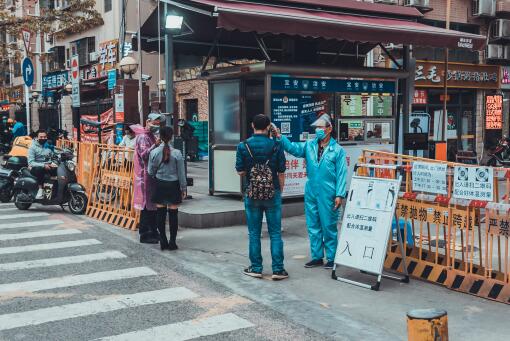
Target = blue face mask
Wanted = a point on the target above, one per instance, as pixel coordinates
(320, 133)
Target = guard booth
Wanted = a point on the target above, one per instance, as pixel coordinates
(361, 102)
(295, 60)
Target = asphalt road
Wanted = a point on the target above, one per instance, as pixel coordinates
(67, 278)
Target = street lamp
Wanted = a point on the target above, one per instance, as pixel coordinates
(35, 95)
(128, 65)
(173, 22)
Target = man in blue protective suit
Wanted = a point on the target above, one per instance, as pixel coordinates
(326, 168)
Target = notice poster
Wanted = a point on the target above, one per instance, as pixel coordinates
(473, 183)
(293, 114)
(366, 225)
(429, 177)
(89, 133)
(295, 176)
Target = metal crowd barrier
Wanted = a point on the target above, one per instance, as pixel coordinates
(106, 172)
(460, 244)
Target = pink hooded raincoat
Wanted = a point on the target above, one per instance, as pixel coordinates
(143, 183)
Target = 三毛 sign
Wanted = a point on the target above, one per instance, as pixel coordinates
(75, 81)
(473, 183)
(366, 225)
(429, 177)
(493, 112)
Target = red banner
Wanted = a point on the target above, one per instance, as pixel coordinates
(89, 132)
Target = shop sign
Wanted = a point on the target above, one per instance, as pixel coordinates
(493, 112)
(473, 183)
(382, 105)
(429, 177)
(108, 54)
(55, 80)
(420, 97)
(431, 74)
(505, 77)
(280, 82)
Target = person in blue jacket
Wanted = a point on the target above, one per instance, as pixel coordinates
(326, 169)
(18, 129)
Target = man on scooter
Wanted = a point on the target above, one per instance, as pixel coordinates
(39, 161)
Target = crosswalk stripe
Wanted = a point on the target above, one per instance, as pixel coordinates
(37, 234)
(87, 308)
(74, 280)
(48, 262)
(2, 210)
(31, 224)
(48, 246)
(186, 330)
(6, 204)
(23, 215)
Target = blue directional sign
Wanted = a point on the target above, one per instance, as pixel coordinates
(28, 71)
(112, 79)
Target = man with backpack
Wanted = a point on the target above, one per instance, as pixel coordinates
(261, 161)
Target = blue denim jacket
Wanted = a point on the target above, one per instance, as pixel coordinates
(261, 147)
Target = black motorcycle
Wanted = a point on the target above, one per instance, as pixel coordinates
(9, 172)
(62, 189)
(501, 154)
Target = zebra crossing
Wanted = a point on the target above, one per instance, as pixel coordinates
(24, 249)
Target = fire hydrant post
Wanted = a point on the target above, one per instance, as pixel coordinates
(427, 325)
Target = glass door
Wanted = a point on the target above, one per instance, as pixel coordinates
(224, 135)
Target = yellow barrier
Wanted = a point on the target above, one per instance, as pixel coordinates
(462, 245)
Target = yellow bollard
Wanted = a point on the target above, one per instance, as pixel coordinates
(427, 325)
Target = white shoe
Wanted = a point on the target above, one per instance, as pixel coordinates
(40, 194)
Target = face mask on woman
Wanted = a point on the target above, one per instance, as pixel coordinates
(154, 129)
(320, 133)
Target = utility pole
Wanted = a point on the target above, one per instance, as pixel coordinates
(140, 85)
(445, 77)
(169, 73)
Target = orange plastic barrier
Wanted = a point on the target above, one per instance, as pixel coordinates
(463, 245)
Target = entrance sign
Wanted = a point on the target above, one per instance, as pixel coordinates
(429, 177)
(75, 80)
(473, 183)
(28, 72)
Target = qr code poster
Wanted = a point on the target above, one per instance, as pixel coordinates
(473, 183)
(285, 127)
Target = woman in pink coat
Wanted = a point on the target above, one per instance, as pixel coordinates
(146, 141)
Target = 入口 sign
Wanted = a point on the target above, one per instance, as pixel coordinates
(429, 177)
(367, 222)
(473, 183)
(493, 112)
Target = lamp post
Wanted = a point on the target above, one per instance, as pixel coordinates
(68, 88)
(128, 65)
(35, 95)
(173, 24)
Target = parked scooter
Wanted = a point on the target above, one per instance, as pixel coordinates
(60, 190)
(501, 155)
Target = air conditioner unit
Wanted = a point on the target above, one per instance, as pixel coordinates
(483, 8)
(391, 2)
(494, 52)
(93, 57)
(417, 3)
(500, 29)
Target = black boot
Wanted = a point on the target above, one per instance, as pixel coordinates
(174, 223)
(145, 226)
(160, 224)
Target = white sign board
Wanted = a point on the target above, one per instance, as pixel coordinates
(366, 225)
(419, 122)
(473, 183)
(26, 40)
(429, 177)
(119, 102)
(75, 80)
(295, 175)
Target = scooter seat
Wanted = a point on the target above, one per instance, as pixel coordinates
(25, 172)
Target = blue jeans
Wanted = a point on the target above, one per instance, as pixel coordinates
(254, 212)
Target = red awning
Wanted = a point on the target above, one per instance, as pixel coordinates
(262, 18)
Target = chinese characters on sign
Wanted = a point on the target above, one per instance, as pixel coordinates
(295, 176)
(331, 85)
(420, 97)
(429, 177)
(431, 74)
(473, 183)
(498, 225)
(421, 212)
(366, 225)
(494, 112)
(108, 54)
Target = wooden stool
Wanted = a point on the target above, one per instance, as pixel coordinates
(427, 325)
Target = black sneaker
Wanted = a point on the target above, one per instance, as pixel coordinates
(149, 240)
(329, 265)
(279, 275)
(314, 263)
(250, 272)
